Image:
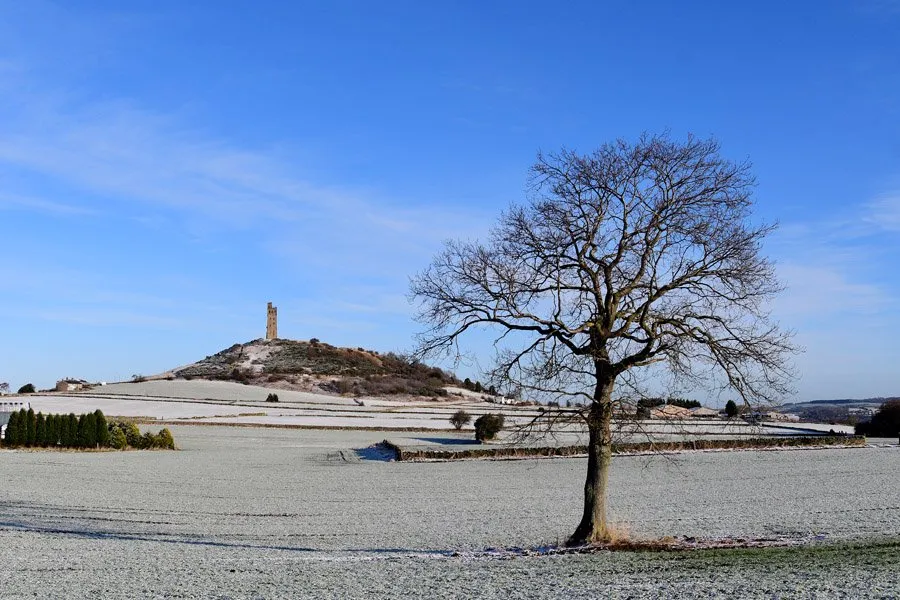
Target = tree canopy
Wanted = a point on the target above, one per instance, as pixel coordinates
(636, 257)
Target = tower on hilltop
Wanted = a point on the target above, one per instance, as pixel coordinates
(271, 322)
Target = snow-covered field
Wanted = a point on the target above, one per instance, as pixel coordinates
(273, 513)
(224, 402)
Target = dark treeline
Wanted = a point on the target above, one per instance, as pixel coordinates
(654, 402)
(885, 423)
(645, 404)
(88, 431)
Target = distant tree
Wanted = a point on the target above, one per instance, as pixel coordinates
(69, 430)
(28, 388)
(40, 430)
(272, 398)
(102, 430)
(488, 426)
(459, 419)
(13, 436)
(731, 409)
(467, 383)
(885, 422)
(30, 427)
(478, 387)
(87, 431)
(52, 434)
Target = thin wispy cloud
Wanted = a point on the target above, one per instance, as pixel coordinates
(884, 212)
(19, 202)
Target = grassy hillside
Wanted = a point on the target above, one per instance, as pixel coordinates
(332, 369)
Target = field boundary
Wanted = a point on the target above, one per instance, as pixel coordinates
(406, 453)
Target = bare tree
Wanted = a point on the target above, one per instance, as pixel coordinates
(638, 258)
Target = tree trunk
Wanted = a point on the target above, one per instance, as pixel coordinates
(594, 527)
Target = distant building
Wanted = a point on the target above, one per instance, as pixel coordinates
(774, 416)
(670, 411)
(861, 411)
(271, 322)
(704, 413)
(6, 409)
(70, 385)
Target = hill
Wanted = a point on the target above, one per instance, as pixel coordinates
(316, 366)
(841, 410)
(847, 402)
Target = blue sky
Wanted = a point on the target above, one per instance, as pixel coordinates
(166, 168)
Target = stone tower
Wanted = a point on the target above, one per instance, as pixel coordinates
(271, 322)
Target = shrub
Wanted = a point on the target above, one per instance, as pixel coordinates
(28, 388)
(239, 375)
(117, 438)
(132, 434)
(165, 440)
(488, 426)
(731, 409)
(272, 398)
(145, 442)
(459, 419)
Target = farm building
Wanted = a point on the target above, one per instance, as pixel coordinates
(70, 385)
(670, 411)
(704, 413)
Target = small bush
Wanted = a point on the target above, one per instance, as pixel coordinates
(488, 426)
(272, 398)
(459, 419)
(164, 439)
(240, 375)
(117, 438)
(28, 388)
(132, 434)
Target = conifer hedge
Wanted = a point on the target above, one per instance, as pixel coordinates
(87, 431)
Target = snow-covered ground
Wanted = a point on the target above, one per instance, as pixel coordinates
(223, 402)
(273, 513)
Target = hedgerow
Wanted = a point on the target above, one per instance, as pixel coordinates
(88, 431)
